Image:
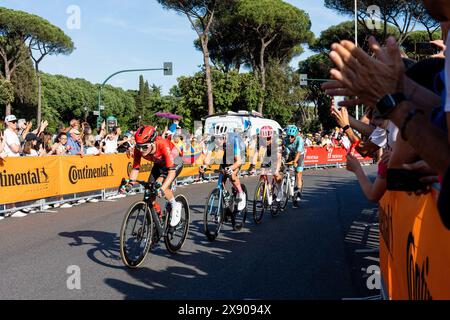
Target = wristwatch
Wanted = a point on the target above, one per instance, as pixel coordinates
(388, 103)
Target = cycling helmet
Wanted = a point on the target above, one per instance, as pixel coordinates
(220, 130)
(292, 130)
(266, 132)
(145, 134)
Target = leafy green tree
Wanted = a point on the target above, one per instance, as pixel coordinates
(20, 31)
(201, 15)
(270, 22)
(6, 91)
(346, 31)
(404, 15)
(48, 40)
(317, 67)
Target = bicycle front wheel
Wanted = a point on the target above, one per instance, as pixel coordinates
(213, 215)
(176, 236)
(259, 203)
(276, 206)
(136, 235)
(285, 192)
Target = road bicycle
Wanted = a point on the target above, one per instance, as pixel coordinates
(264, 197)
(288, 185)
(221, 206)
(143, 226)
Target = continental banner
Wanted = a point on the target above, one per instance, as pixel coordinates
(28, 178)
(414, 247)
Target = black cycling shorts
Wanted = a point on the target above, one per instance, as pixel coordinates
(160, 171)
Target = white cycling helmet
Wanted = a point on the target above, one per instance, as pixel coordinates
(220, 130)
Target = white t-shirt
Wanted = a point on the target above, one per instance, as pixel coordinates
(33, 153)
(447, 74)
(93, 151)
(11, 138)
(385, 138)
(110, 146)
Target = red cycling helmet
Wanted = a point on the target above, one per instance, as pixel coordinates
(266, 132)
(145, 134)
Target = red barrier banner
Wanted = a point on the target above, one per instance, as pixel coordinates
(323, 156)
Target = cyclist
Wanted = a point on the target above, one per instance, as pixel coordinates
(167, 165)
(219, 139)
(265, 143)
(294, 150)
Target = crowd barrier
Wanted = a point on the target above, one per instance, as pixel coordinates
(414, 247)
(62, 178)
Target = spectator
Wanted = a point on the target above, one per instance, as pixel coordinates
(30, 147)
(60, 147)
(24, 129)
(308, 140)
(127, 143)
(74, 142)
(12, 142)
(326, 142)
(2, 146)
(178, 142)
(90, 149)
(111, 140)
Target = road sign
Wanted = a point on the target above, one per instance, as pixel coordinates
(303, 79)
(102, 107)
(168, 68)
(96, 113)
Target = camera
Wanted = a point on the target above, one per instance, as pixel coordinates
(426, 48)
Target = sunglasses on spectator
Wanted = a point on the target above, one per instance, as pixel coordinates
(143, 147)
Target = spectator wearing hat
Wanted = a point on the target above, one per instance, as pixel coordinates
(74, 142)
(12, 143)
(30, 146)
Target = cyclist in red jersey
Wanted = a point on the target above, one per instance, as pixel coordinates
(167, 165)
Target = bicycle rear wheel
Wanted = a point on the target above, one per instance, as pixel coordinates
(213, 215)
(258, 203)
(176, 236)
(136, 235)
(276, 206)
(238, 217)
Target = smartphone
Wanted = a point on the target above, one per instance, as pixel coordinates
(426, 48)
(404, 180)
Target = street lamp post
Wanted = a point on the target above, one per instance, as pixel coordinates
(356, 43)
(167, 68)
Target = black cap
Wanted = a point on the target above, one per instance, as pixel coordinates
(31, 136)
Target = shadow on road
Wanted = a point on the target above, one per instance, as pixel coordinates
(251, 264)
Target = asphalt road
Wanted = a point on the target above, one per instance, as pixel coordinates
(305, 253)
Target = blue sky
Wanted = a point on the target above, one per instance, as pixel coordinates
(135, 34)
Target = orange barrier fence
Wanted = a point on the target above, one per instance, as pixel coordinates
(414, 247)
(33, 178)
(30, 178)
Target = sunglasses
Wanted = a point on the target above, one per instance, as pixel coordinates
(291, 137)
(143, 147)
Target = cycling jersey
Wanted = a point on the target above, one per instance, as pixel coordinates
(291, 150)
(295, 147)
(236, 145)
(165, 156)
